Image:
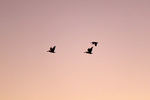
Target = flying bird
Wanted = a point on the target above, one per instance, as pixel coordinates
(89, 51)
(95, 43)
(52, 49)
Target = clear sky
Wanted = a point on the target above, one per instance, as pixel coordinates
(119, 68)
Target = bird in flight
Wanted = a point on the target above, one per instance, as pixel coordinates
(95, 43)
(89, 51)
(52, 49)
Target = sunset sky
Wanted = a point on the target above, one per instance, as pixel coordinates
(118, 69)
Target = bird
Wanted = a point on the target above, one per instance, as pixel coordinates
(95, 43)
(52, 49)
(89, 51)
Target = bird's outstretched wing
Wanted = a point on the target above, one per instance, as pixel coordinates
(54, 48)
(96, 43)
(90, 49)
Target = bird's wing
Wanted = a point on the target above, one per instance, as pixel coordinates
(90, 49)
(96, 43)
(54, 47)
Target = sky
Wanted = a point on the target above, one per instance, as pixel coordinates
(118, 69)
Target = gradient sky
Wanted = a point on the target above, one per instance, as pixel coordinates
(119, 68)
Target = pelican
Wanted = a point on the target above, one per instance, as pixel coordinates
(52, 49)
(89, 51)
(95, 43)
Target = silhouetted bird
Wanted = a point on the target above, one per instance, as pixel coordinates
(95, 43)
(89, 50)
(52, 49)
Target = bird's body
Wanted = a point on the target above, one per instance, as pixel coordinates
(52, 50)
(95, 43)
(89, 51)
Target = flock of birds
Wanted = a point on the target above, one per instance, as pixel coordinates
(89, 50)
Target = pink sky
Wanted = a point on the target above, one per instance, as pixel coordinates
(119, 68)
